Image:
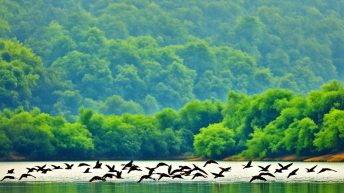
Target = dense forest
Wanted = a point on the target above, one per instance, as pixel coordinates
(161, 79)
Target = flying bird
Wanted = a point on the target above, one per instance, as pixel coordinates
(83, 164)
(134, 168)
(199, 169)
(210, 162)
(198, 175)
(8, 177)
(97, 178)
(326, 169)
(145, 177)
(218, 175)
(26, 175)
(56, 167)
(87, 171)
(111, 168)
(11, 171)
(264, 169)
(293, 173)
(98, 165)
(248, 165)
(128, 165)
(309, 170)
(69, 166)
(257, 178)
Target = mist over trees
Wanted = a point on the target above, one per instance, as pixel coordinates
(149, 78)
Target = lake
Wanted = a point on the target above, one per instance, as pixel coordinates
(236, 180)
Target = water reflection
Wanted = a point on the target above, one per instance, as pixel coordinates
(200, 187)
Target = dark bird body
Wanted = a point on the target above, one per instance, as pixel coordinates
(225, 169)
(29, 170)
(264, 169)
(266, 174)
(218, 175)
(293, 173)
(198, 175)
(177, 176)
(119, 175)
(83, 164)
(210, 162)
(26, 175)
(257, 178)
(128, 165)
(98, 165)
(87, 171)
(134, 168)
(163, 175)
(8, 177)
(286, 167)
(111, 168)
(68, 166)
(97, 178)
(44, 171)
(145, 177)
(198, 169)
(309, 170)
(109, 175)
(326, 169)
(41, 168)
(161, 164)
(11, 171)
(248, 165)
(150, 170)
(56, 167)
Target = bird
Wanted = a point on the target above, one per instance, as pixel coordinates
(248, 165)
(151, 170)
(26, 175)
(145, 177)
(198, 175)
(109, 175)
(218, 175)
(225, 169)
(258, 177)
(40, 168)
(199, 169)
(163, 175)
(83, 164)
(87, 171)
(278, 170)
(119, 175)
(177, 176)
(44, 171)
(266, 174)
(111, 168)
(210, 162)
(184, 168)
(176, 171)
(98, 165)
(11, 171)
(326, 169)
(29, 170)
(293, 173)
(161, 164)
(97, 178)
(134, 168)
(264, 169)
(128, 165)
(285, 167)
(309, 170)
(68, 166)
(8, 177)
(56, 167)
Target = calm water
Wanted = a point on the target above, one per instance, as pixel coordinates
(236, 181)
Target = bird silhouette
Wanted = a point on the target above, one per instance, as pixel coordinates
(26, 175)
(150, 170)
(68, 166)
(8, 177)
(163, 175)
(111, 168)
(29, 170)
(179, 170)
(326, 169)
(293, 173)
(218, 175)
(97, 178)
(184, 168)
(258, 177)
(119, 175)
(285, 167)
(161, 164)
(145, 177)
(225, 169)
(11, 171)
(109, 175)
(83, 164)
(128, 165)
(98, 165)
(198, 175)
(309, 170)
(278, 170)
(134, 168)
(177, 176)
(264, 169)
(40, 168)
(44, 171)
(199, 169)
(87, 171)
(210, 162)
(248, 165)
(56, 167)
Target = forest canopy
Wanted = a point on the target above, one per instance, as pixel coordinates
(149, 78)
